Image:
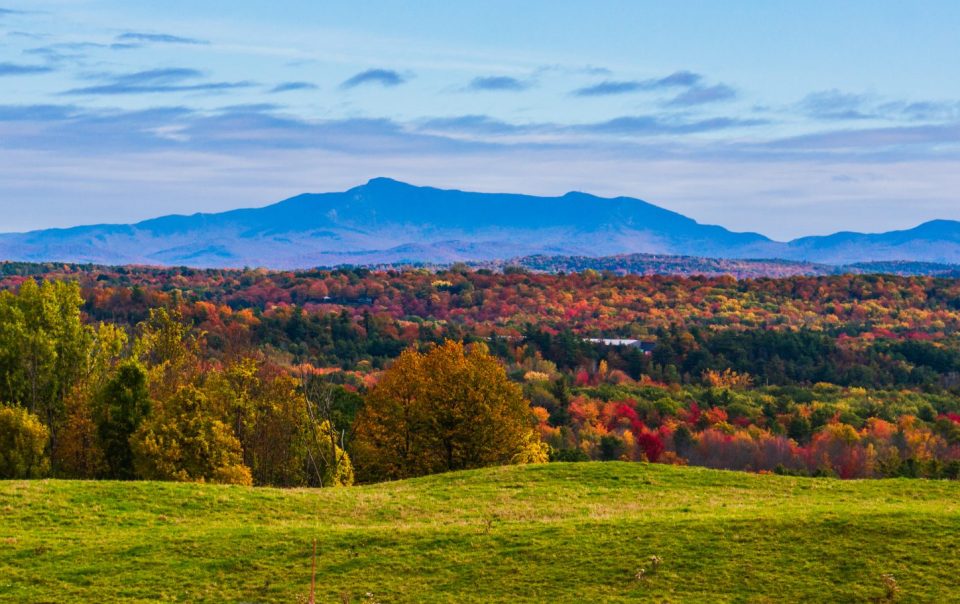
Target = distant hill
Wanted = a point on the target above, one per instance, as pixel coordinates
(386, 221)
(652, 264)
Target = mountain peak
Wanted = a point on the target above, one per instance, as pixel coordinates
(939, 225)
(383, 182)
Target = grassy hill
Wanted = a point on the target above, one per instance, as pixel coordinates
(552, 533)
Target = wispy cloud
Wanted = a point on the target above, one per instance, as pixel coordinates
(383, 77)
(72, 51)
(923, 110)
(30, 113)
(16, 69)
(657, 125)
(26, 35)
(292, 86)
(158, 38)
(497, 83)
(239, 129)
(233, 130)
(56, 53)
(835, 105)
(702, 95)
(608, 88)
(472, 124)
(175, 79)
(873, 140)
(625, 126)
(678, 79)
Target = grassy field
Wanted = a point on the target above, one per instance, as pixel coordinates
(551, 533)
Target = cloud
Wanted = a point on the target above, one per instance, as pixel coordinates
(384, 77)
(656, 125)
(54, 54)
(251, 108)
(835, 105)
(292, 86)
(632, 126)
(701, 95)
(175, 79)
(678, 79)
(925, 110)
(72, 51)
(874, 140)
(28, 113)
(26, 35)
(608, 88)
(157, 38)
(472, 124)
(231, 130)
(263, 127)
(16, 69)
(497, 83)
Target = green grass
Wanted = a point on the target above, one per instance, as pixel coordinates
(551, 533)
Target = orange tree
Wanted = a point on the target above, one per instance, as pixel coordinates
(451, 408)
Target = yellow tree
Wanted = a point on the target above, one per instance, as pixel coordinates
(452, 408)
(386, 441)
(181, 440)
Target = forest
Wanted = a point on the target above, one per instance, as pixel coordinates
(329, 377)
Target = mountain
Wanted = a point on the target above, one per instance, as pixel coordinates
(934, 241)
(386, 221)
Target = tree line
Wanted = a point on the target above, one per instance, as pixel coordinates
(101, 401)
(145, 373)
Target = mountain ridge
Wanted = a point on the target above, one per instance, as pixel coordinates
(388, 221)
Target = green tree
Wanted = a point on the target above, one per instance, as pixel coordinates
(44, 348)
(123, 404)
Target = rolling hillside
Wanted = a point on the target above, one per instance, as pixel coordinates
(551, 533)
(386, 221)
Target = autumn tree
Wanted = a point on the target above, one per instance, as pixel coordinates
(452, 408)
(329, 415)
(78, 452)
(23, 438)
(168, 349)
(182, 441)
(286, 441)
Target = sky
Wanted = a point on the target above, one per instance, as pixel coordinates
(785, 118)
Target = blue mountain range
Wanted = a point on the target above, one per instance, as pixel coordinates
(386, 221)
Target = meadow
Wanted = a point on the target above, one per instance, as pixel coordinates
(560, 532)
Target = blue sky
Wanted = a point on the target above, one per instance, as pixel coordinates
(788, 118)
